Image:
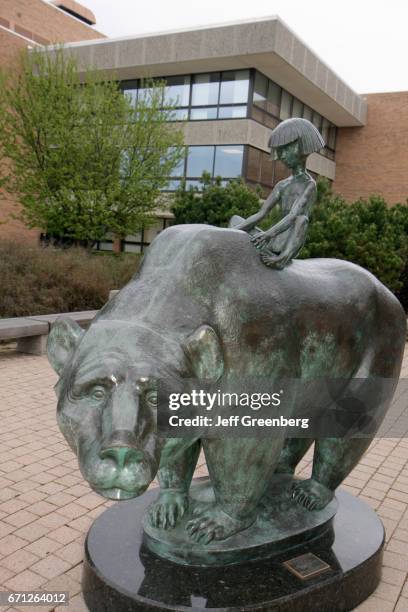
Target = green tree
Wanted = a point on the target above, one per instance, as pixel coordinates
(366, 232)
(214, 203)
(81, 159)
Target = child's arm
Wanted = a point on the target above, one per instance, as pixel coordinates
(266, 207)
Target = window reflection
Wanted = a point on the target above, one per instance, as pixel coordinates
(145, 94)
(325, 130)
(332, 137)
(272, 104)
(297, 109)
(177, 90)
(194, 184)
(139, 242)
(178, 170)
(317, 120)
(253, 169)
(199, 160)
(205, 89)
(232, 112)
(260, 90)
(132, 248)
(104, 245)
(267, 169)
(224, 95)
(179, 114)
(228, 161)
(273, 101)
(132, 95)
(234, 87)
(172, 185)
(262, 169)
(286, 105)
(203, 113)
(307, 113)
(223, 161)
(134, 237)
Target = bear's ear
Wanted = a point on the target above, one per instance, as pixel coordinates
(203, 348)
(63, 339)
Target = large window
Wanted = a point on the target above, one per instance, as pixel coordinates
(141, 240)
(199, 97)
(262, 170)
(267, 95)
(234, 87)
(286, 105)
(199, 160)
(225, 95)
(224, 161)
(178, 90)
(220, 95)
(206, 89)
(228, 161)
(271, 104)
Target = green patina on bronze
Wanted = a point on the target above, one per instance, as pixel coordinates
(291, 142)
(204, 306)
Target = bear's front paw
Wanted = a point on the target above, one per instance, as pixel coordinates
(168, 509)
(311, 494)
(213, 523)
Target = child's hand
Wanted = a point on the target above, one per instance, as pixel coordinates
(260, 240)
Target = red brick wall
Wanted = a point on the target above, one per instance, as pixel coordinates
(39, 22)
(45, 21)
(374, 159)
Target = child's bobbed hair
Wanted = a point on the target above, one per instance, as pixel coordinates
(299, 129)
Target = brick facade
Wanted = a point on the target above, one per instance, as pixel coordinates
(43, 22)
(40, 23)
(374, 159)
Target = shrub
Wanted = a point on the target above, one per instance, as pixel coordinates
(366, 232)
(216, 203)
(39, 280)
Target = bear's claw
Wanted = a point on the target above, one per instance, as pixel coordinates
(169, 508)
(212, 523)
(311, 494)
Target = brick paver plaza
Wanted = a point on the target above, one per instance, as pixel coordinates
(46, 507)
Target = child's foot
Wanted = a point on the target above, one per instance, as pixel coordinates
(274, 261)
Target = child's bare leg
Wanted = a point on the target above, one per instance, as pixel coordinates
(293, 245)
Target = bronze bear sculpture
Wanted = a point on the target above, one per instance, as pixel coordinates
(204, 306)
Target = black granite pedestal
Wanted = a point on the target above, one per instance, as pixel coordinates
(281, 524)
(121, 575)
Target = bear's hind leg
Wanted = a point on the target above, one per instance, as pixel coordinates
(334, 459)
(240, 471)
(293, 451)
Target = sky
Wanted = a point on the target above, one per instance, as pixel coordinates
(364, 41)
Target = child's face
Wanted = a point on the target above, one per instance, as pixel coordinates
(289, 154)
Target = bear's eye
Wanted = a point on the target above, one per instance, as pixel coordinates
(98, 393)
(151, 398)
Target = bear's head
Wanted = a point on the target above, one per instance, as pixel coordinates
(108, 395)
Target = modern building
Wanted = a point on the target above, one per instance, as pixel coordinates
(33, 23)
(233, 83)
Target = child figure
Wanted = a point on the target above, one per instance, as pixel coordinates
(291, 141)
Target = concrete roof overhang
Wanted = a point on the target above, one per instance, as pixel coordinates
(266, 44)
